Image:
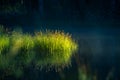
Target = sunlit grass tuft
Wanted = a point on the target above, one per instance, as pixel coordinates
(54, 48)
(4, 49)
(43, 49)
(4, 44)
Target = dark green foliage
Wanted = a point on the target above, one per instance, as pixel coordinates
(12, 7)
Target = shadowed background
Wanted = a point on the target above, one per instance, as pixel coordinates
(93, 23)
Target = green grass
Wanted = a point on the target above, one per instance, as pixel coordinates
(43, 49)
(54, 48)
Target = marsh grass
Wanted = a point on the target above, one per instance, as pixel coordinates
(4, 44)
(43, 49)
(4, 49)
(54, 48)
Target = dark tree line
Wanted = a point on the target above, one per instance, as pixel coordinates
(68, 7)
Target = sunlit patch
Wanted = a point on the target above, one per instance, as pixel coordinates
(56, 48)
(50, 49)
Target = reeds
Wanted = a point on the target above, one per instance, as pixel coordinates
(43, 49)
(54, 48)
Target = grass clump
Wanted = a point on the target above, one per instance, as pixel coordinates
(22, 48)
(4, 49)
(54, 48)
(4, 44)
(43, 49)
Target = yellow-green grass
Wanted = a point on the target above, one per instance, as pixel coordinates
(22, 48)
(54, 48)
(4, 49)
(43, 49)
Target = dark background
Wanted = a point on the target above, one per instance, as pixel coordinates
(93, 23)
(86, 12)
